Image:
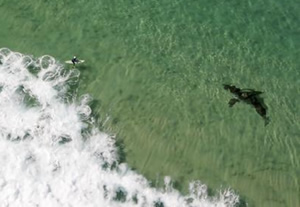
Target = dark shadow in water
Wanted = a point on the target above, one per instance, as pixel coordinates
(242, 203)
(248, 96)
(120, 195)
(158, 204)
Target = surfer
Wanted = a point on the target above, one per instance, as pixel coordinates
(248, 96)
(75, 60)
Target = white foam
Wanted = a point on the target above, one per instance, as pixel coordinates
(52, 154)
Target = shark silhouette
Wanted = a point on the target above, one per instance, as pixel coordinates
(248, 96)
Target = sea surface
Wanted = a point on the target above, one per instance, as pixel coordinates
(144, 121)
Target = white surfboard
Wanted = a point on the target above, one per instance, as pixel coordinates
(70, 62)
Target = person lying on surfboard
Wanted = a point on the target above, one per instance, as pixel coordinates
(248, 96)
(74, 61)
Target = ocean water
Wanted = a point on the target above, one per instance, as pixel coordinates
(53, 154)
(154, 72)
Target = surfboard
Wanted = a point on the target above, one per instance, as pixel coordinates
(70, 62)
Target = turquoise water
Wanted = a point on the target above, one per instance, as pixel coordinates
(156, 70)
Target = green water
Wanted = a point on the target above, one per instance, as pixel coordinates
(156, 68)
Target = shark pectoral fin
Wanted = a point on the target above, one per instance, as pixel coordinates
(233, 101)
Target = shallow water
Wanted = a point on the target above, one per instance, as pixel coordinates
(156, 71)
